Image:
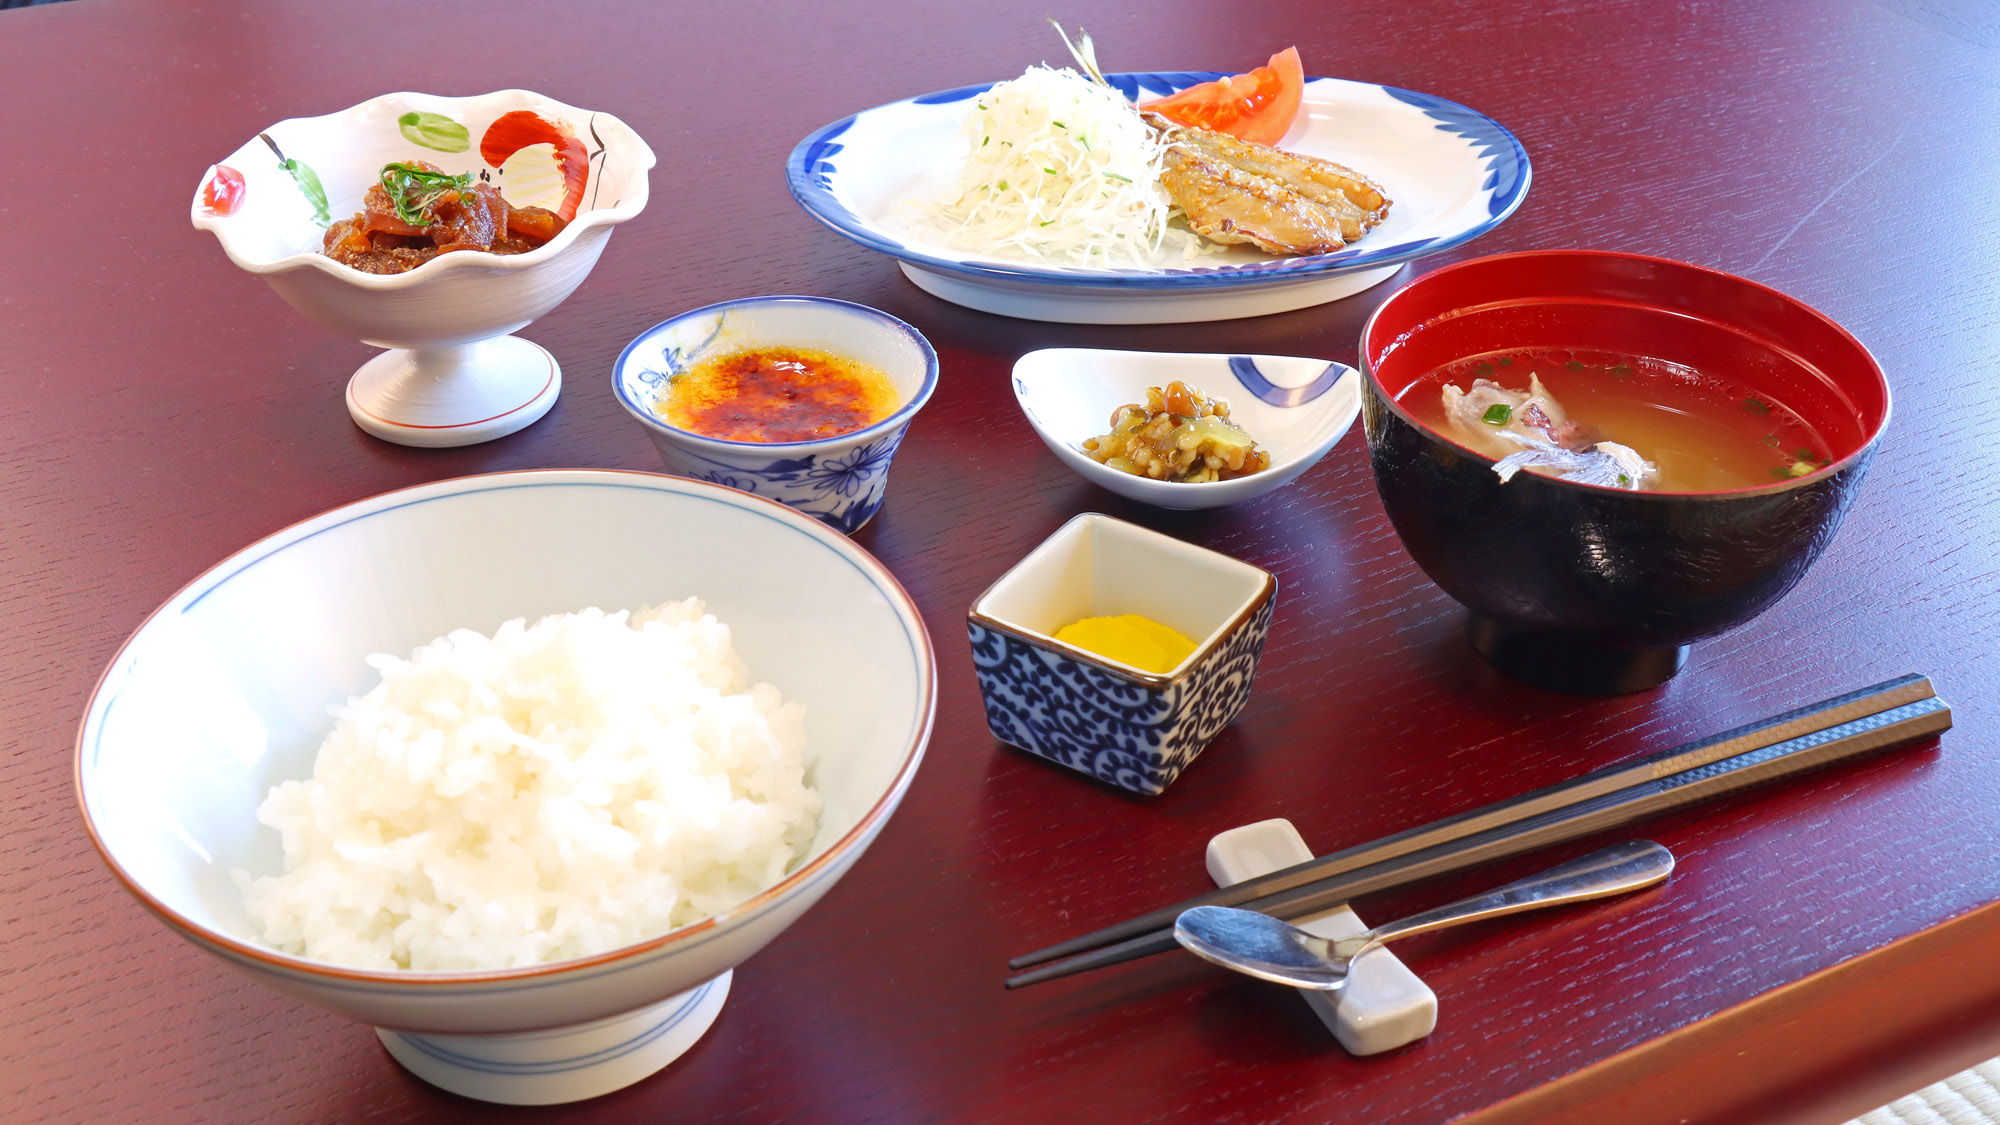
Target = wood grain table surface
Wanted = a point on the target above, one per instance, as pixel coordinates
(1823, 947)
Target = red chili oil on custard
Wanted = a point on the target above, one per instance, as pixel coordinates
(778, 394)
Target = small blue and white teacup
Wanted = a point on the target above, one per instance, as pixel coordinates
(1118, 723)
(839, 480)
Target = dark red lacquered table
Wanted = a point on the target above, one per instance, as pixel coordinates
(1822, 949)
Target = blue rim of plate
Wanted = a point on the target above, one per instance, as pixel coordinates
(811, 165)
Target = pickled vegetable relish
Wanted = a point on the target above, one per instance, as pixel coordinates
(777, 394)
(1178, 434)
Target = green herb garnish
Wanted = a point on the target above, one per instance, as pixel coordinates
(1573, 365)
(1497, 414)
(1624, 480)
(413, 190)
(1483, 369)
(1505, 362)
(1756, 406)
(1119, 178)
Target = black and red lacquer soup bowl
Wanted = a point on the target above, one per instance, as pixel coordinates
(1594, 590)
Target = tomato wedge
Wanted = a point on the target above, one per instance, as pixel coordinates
(1257, 107)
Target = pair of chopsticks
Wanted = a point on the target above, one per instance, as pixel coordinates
(1894, 713)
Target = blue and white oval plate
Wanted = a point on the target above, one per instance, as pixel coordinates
(1451, 173)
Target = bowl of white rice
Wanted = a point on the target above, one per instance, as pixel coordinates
(516, 768)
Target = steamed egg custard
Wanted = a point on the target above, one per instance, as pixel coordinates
(777, 394)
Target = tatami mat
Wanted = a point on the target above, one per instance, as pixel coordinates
(1970, 1097)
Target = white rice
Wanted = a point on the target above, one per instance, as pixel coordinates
(550, 792)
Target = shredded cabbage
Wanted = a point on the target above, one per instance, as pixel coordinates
(1057, 167)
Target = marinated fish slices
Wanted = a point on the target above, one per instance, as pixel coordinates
(1280, 202)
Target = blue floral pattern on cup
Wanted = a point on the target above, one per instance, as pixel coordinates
(843, 489)
(1115, 727)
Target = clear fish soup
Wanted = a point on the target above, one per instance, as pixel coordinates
(1618, 421)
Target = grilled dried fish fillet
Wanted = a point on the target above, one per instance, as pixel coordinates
(1334, 186)
(1225, 204)
(1281, 202)
(1310, 174)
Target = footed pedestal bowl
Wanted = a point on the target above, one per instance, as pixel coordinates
(453, 374)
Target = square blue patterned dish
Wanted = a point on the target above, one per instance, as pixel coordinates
(1117, 723)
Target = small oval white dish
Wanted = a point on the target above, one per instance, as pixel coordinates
(225, 691)
(453, 375)
(1451, 173)
(840, 479)
(1294, 408)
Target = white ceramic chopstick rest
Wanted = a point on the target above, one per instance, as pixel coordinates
(1383, 1004)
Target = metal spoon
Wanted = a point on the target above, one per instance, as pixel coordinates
(1275, 950)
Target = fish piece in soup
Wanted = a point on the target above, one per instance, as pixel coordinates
(1606, 464)
(1496, 421)
(1674, 428)
(1531, 430)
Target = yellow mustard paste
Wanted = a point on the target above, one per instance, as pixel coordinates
(1143, 643)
